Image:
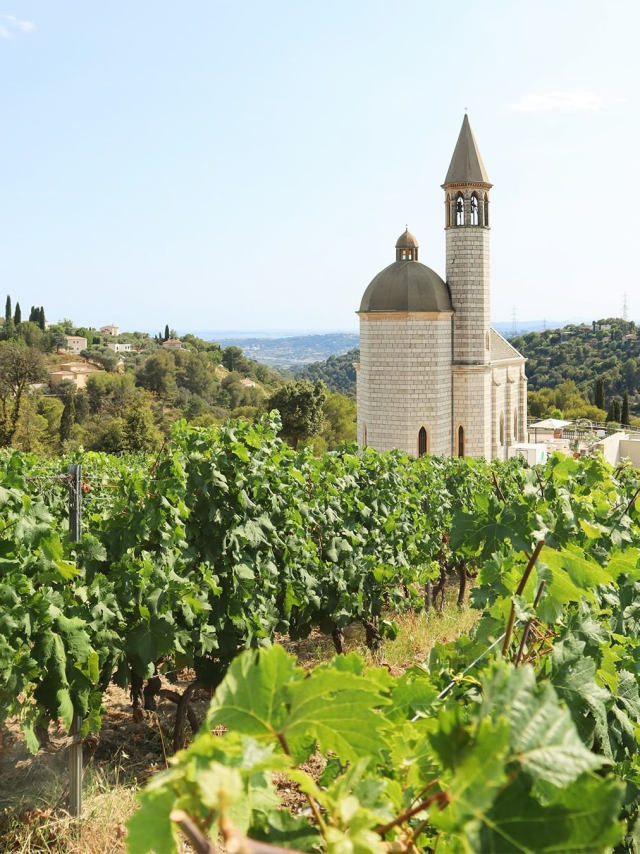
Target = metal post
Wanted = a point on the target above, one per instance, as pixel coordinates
(75, 503)
(75, 750)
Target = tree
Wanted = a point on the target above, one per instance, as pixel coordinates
(31, 333)
(8, 319)
(41, 319)
(167, 334)
(614, 413)
(57, 339)
(17, 317)
(300, 405)
(599, 395)
(140, 435)
(340, 421)
(234, 360)
(19, 367)
(158, 374)
(68, 418)
(624, 416)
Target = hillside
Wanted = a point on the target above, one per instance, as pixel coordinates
(336, 371)
(606, 349)
(296, 350)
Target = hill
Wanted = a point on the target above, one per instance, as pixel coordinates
(336, 371)
(606, 349)
(295, 350)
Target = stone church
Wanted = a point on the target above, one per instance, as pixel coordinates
(434, 377)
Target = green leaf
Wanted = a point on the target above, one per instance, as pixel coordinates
(149, 829)
(251, 697)
(583, 820)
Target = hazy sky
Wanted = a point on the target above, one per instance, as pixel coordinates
(250, 165)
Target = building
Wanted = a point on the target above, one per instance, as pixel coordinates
(76, 372)
(434, 377)
(76, 343)
(119, 348)
(248, 383)
(172, 344)
(110, 330)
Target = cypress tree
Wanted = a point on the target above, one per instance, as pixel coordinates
(42, 323)
(32, 315)
(68, 418)
(8, 319)
(624, 417)
(17, 317)
(599, 396)
(167, 335)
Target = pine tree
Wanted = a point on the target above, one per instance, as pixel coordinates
(167, 334)
(17, 317)
(68, 418)
(624, 417)
(599, 396)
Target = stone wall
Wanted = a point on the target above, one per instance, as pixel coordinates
(404, 380)
(468, 277)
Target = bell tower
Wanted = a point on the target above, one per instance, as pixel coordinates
(467, 190)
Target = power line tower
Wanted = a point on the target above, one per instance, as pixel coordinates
(514, 322)
(625, 308)
(544, 324)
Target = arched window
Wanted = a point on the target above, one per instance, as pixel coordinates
(474, 210)
(459, 209)
(502, 428)
(447, 212)
(461, 441)
(422, 442)
(486, 209)
(515, 424)
(364, 435)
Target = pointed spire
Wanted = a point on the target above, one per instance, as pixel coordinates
(466, 165)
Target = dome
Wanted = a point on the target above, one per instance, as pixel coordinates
(407, 286)
(407, 241)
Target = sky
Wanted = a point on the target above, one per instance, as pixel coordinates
(250, 165)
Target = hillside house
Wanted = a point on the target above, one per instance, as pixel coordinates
(247, 383)
(110, 330)
(119, 348)
(172, 344)
(75, 343)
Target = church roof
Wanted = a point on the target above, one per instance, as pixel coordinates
(407, 286)
(407, 241)
(501, 350)
(466, 165)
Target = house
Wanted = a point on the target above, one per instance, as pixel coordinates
(172, 344)
(76, 343)
(119, 348)
(247, 383)
(76, 372)
(110, 330)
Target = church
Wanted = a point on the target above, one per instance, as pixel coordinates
(433, 376)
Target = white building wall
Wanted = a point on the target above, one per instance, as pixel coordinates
(404, 380)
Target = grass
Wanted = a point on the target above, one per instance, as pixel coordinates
(36, 825)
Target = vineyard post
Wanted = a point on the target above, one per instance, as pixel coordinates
(75, 750)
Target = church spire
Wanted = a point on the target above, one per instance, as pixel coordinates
(466, 165)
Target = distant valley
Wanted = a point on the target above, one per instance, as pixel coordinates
(295, 350)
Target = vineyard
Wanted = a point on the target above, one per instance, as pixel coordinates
(520, 737)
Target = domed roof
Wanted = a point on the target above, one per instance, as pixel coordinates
(407, 286)
(407, 241)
